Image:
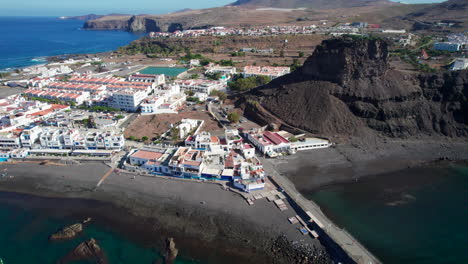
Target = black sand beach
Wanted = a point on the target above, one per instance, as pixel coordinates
(352, 162)
(206, 221)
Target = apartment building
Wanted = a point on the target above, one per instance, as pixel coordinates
(200, 86)
(10, 140)
(127, 100)
(30, 135)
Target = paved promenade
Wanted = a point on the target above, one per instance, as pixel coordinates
(350, 245)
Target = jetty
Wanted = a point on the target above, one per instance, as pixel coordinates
(330, 235)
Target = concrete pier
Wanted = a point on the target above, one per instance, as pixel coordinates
(357, 252)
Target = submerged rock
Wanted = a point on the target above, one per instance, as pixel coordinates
(68, 232)
(87, 250)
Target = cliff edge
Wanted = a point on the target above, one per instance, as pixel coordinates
(347, 87)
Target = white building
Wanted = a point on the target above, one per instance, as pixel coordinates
(105, 140)
(201, 86)
(51, 138)
(272, 72)
(203, 140)
(188, 125)
(224, 70)
(270, 143)
(29, 136)
(166, 100)
(127, 100)
(157, 79)
(9, 140)
(460, 64)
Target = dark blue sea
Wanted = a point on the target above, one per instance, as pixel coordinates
(415, 216)
(27, 41)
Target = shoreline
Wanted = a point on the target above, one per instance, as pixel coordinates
(352, 162)
(165, 201)
(212, 219)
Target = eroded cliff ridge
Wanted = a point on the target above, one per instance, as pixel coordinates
(347, 87)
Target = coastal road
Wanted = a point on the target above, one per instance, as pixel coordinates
(339, 236)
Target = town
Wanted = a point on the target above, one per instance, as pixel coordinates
(85, 116)
(174, 117)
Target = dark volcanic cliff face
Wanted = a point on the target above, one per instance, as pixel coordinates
(347, 87)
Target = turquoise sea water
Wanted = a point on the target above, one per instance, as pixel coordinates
(416, 216)
(161, 70)
(24, 236)
(27, 41)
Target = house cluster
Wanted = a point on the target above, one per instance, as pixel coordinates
(226, 71)
(454, 43)
(46, 72)
(16, 111)
(232, 31)
(201, 85)
(205, 156)
(269, 71)
(48, 140)
(112, 92)
(167, 99)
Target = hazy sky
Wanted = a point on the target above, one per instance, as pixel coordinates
(80, 7)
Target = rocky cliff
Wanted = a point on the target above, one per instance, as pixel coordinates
(347, 87)
(223, 16)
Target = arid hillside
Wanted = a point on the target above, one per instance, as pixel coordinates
(347, 87)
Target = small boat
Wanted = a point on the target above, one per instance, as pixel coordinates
(1, 261)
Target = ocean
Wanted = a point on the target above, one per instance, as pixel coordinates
(27, 41)
(415, 216)
(26, 222)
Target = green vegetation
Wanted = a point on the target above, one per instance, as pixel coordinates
(144, 138)
(221, 95)
(4, 75)
(193, 99)
(295, 65)
(133, 138)
(120, 117)
(301, 54)
(412, 57)
(189, 93)
(226, 62)
(281, 53)
(213, 76)
(175, 134)
(245, 84)
(146, 46)
(194, 76)
(233, 117)
(293, 139)
(99, 108)
(189, 56)
(238, 54)
(51, 101)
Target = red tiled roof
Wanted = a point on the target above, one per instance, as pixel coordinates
(275, 138)
(149, 155)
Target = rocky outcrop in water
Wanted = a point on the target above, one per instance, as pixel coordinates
(68, 232)
(347, 87)
(88, 250)
(171, 251)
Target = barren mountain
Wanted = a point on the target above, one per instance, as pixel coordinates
(314, 4)
(427, 17)
(347, 87)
